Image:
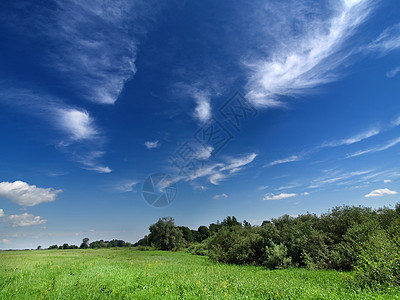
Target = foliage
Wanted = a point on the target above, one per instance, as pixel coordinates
(378, 264)
(276, 257)
(165, 235)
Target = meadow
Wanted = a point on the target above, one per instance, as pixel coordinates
(123, 273)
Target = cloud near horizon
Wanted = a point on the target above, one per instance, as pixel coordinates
(380, 193)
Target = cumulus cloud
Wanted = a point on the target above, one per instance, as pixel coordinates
(220, 196)
(1, 213)
(281, 196)
(27, 195)
(152, 145)
(387, 181)
(25, 219)
(304, 60)
(380, 193)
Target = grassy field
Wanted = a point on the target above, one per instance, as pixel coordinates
(132, 274)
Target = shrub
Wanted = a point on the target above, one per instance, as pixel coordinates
(198, 249)
(378, 265)
(276, 257)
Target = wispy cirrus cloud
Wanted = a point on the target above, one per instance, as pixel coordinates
(387, 41)
(126, 186)
(304, 60)
(336, 143)
(285, 160)
(336, 177)
(202, 98)
(384, 147)
(92, 45)
(91, 161)
(380, 193)
(392, 73)
(353, 139)
(218, 172)
(77, 123)
(79, 136)
(25, 194)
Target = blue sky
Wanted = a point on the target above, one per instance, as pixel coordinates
(96, 97)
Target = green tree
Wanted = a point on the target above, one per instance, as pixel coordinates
(165, 235)
(84, 244)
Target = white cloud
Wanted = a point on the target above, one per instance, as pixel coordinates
(203, 108)
(354, 139)
(126, 186)
(306, 60)
(236, 163)
(390, 144)
(396, 122)
(152, 145)
(285, 160)
(392, 73)
(101, 58)
(5, 241)
(77, 123)
(28, 195)
(306, 193)
(82, 134)
(1, 213)
(202, 111)
(387, 41)
(387, 181)
(220, 196)
(204, 153)
(222, 171)
(281, 196)
(380, 193)
(25, 219)
(263, 187)
(336, 177)
(90, 161)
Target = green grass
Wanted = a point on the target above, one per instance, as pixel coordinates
(132, 274)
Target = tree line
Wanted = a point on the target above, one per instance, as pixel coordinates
(93, 245)
(347, 238)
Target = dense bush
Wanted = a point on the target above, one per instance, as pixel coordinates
(345, 238)
(276, 257)
(378, 264)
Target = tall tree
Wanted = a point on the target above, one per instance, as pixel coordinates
(164, 234)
